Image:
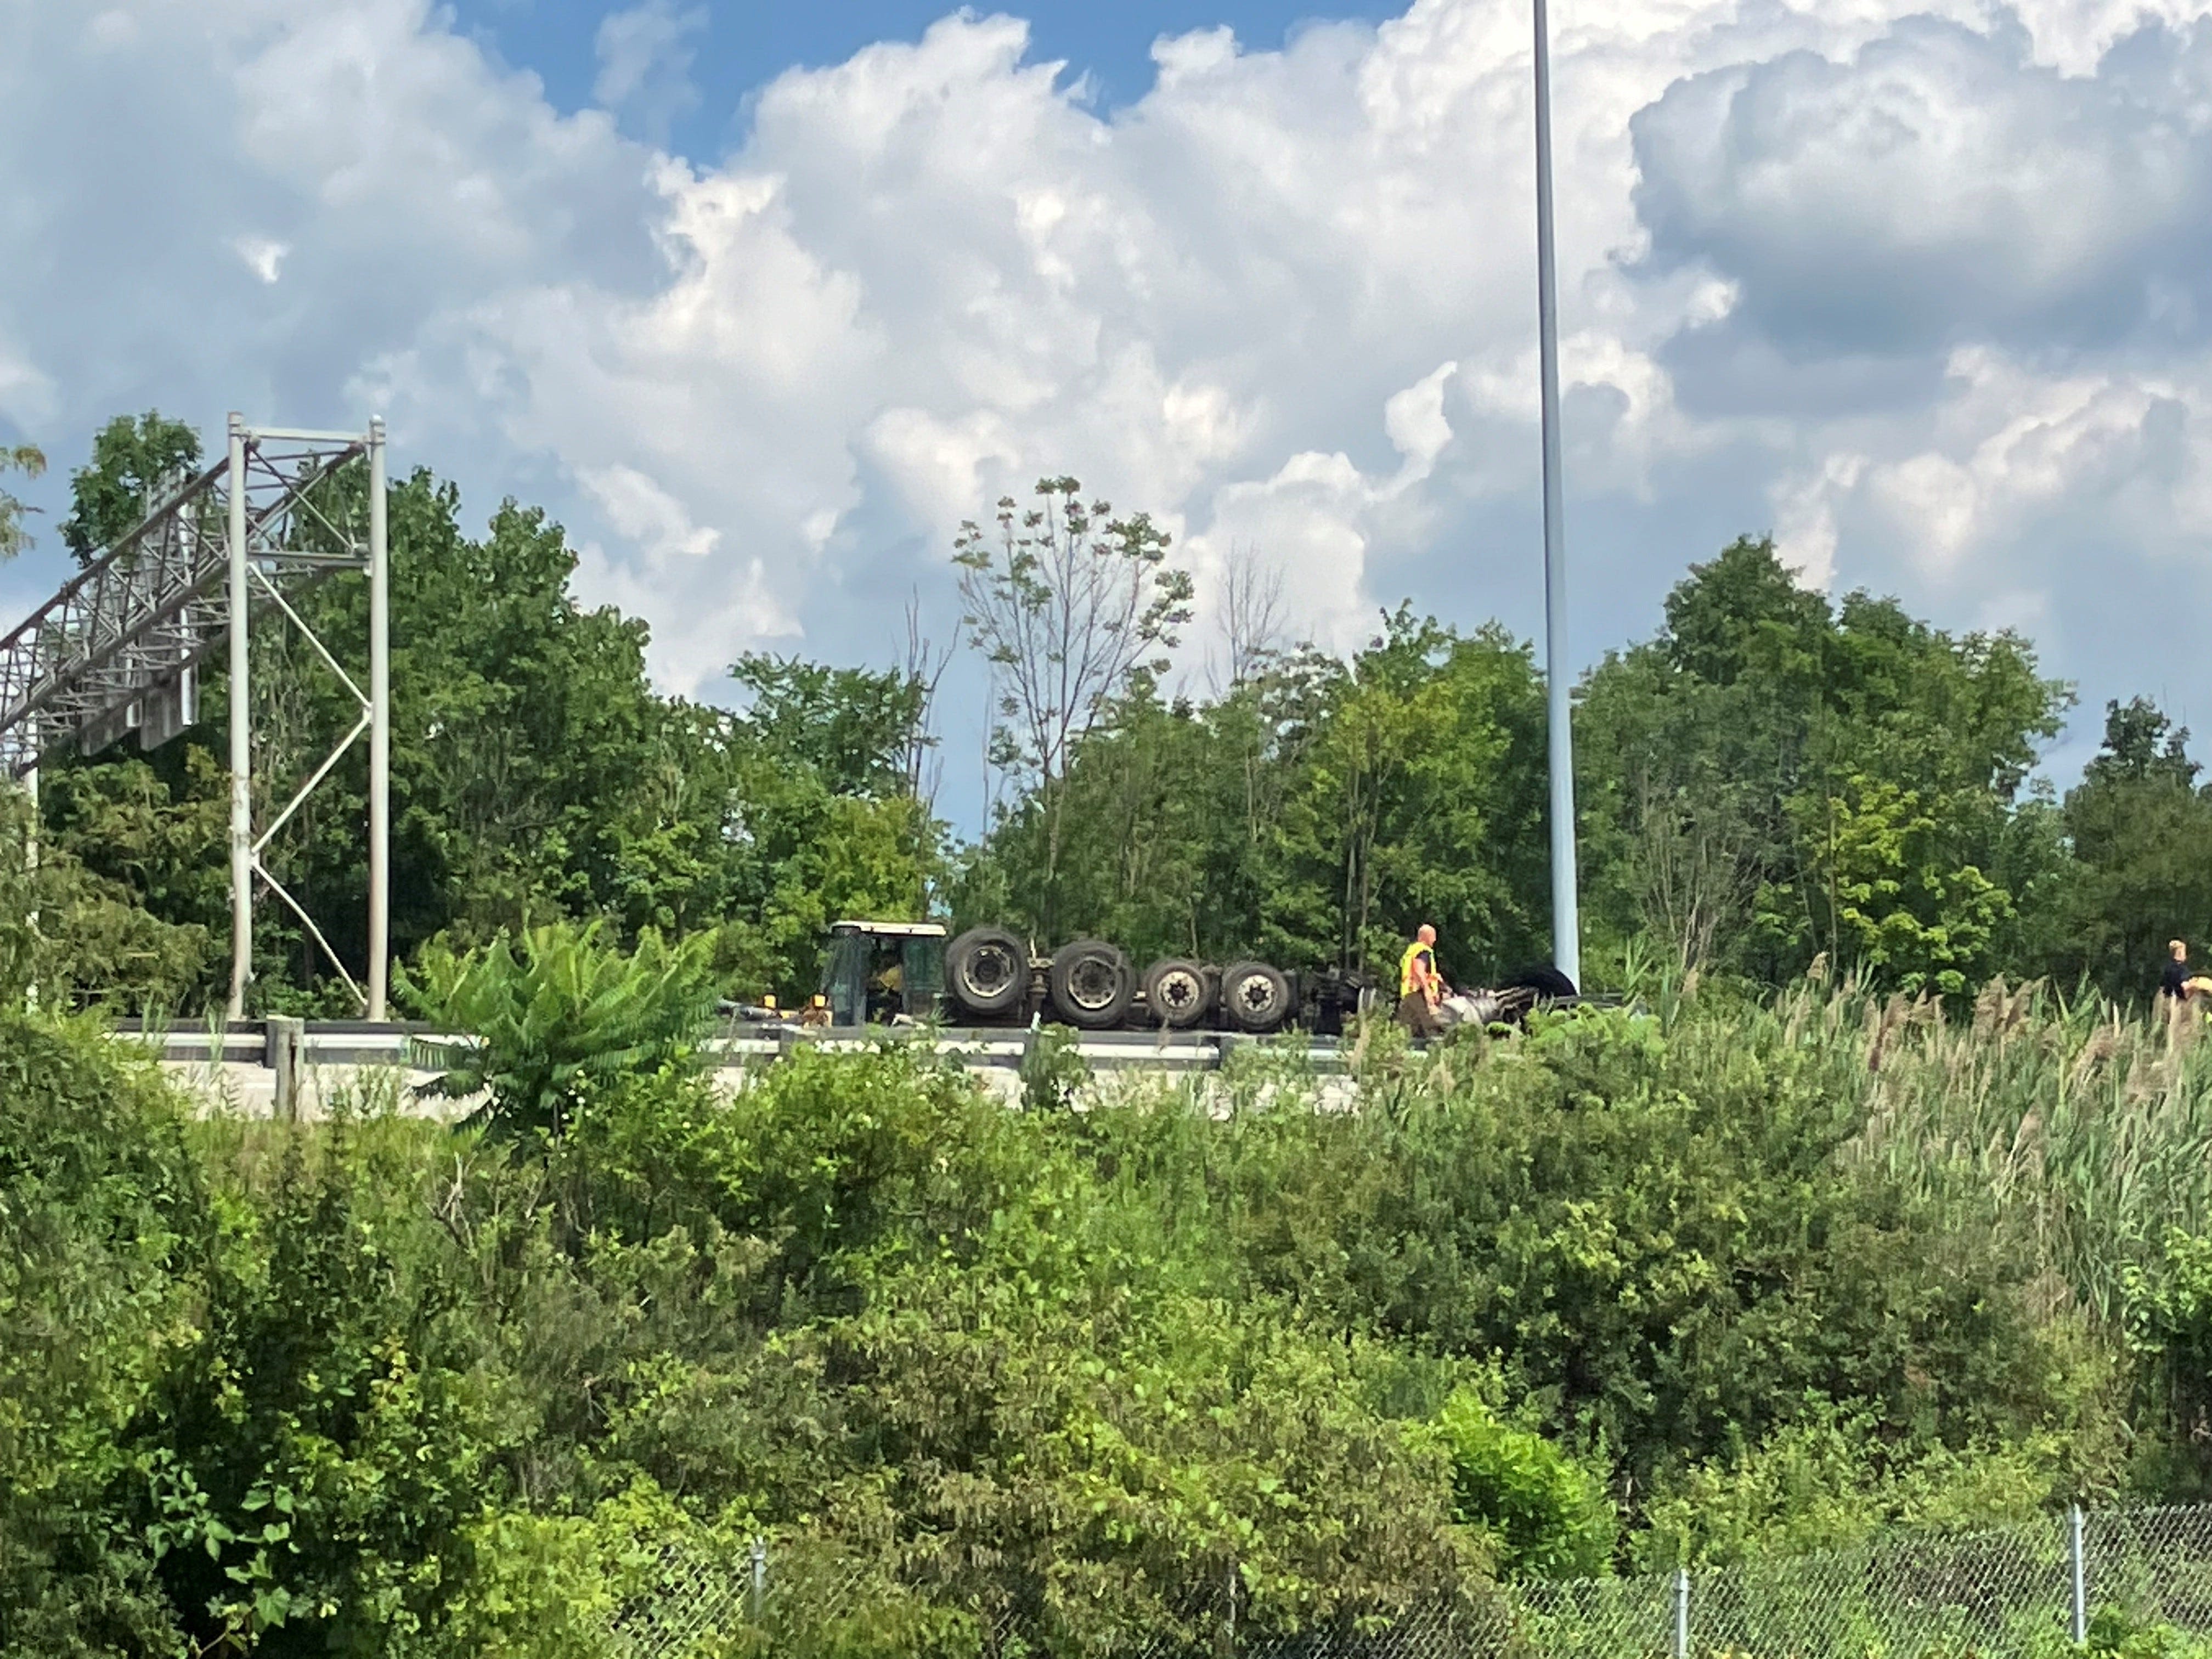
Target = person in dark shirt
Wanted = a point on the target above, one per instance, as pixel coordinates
(2174, 981)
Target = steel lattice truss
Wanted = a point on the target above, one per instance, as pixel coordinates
(117, 648)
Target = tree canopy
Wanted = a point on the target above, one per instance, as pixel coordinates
(1775, 778)
(30, 461)
(1831, 1228)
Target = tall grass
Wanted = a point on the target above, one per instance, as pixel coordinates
(2092, 1126)
(2088, 1125)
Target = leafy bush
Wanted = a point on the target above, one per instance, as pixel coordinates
(377, 1387)
(318, 1445)
(1829, 1481)
(101, 1215)
(559, 1008)
(2114, 1634)
(1658, 1233)
(2169, 1327)
(1548, 1516)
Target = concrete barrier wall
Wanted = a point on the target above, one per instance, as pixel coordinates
(238, 1070)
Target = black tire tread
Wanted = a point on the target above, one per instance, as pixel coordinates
(1065, 960)
(1006, 1000)
(1549, 984)
(1182, 1020)
(1239, 1018)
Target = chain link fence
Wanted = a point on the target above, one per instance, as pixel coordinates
(2024, 1591)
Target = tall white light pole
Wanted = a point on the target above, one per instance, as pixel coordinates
(241, 737)
(1566, 925)
(380, 729)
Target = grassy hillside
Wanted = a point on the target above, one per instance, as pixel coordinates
(1627, 1291)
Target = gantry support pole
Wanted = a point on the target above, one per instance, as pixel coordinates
(31, 834)
(380, 728)
(241, 738)
(1567, 922)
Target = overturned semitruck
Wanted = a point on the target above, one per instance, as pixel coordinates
(886, 973)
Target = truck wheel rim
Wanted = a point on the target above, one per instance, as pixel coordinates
(1256, 993)
(987, 973)
(1179, 992)
(1092, 983)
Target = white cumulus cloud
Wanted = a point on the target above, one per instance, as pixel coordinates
(645, 56)
(1917, 284)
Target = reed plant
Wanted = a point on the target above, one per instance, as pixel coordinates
(2089, 1125)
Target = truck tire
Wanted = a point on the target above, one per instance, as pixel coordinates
(987, 972)
(1255, 998)
(1091, 984)
(1176, 994)
(1549, 984)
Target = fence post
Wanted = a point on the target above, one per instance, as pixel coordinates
(1229, 1623)
(760, 1576)
(1682, 1613)
(2080, 1559)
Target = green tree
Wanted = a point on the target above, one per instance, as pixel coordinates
(1907, 905)
(132, 460)
(854, 726)
(1717, 761)
(2139, 826)
(1070, 607)
(28, 461)
(535, 773)
(1314, 813)
(1421, 800)
(85, 933)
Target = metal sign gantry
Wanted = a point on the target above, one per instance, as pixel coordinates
(118, 648)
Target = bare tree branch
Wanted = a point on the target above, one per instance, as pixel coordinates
(924, 667)
(1252, 619)
(1070, 607)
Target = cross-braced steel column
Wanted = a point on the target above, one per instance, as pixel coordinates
(117, 651)
(241, 736)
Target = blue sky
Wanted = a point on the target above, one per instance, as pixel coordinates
(739, 45)
(761, 303)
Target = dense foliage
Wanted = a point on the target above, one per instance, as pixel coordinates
(1627, 1290)
(1828, 1239)
(536, 775)
(1774, 778)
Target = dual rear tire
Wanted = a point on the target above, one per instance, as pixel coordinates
(1250, 997)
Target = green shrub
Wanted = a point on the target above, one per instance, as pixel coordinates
(101, 1218)
(2169, 1328)
(2113, 1634)
(540, 1019)
(377, 1387)
(1831, 1480)
(1546, 1516)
